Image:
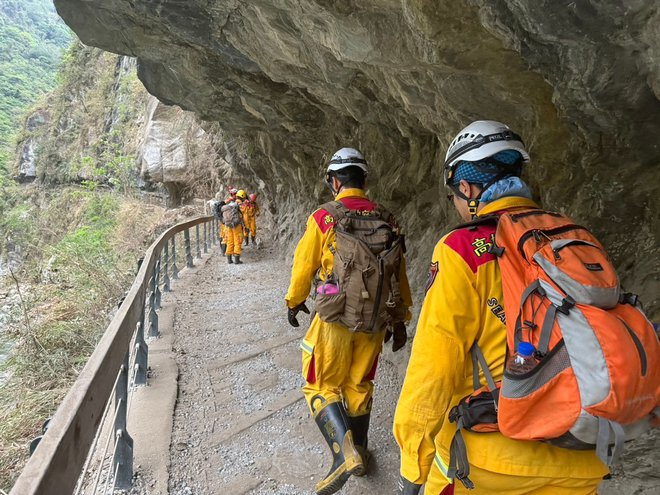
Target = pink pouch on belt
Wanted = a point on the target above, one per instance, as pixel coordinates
(328, 288)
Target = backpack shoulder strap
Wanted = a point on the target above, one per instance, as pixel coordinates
(485, 220)
(336, 209)
(385, 213)
(473, 224)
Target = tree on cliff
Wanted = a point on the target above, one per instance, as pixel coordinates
(32, 37)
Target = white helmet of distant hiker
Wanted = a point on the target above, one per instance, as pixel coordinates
(347, 157)
(478, 141)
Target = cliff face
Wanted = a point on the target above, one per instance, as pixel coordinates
(288, 82)
(84, 130)
(100, 127)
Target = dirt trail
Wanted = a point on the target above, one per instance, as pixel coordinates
(241, 425)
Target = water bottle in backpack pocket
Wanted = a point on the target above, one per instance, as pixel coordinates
(523, 361)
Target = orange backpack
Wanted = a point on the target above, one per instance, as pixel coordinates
(597, 378)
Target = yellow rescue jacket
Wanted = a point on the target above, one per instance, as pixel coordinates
(313, 252)
(463, 304)
(250, 210)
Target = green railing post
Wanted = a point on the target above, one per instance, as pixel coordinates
(175, 270)
(157, 281)
(122, 461)
(206, 240)
(166, 274)
(186, 243)
(141, 354)
(141, 347)
(153, 316)
(199, 251)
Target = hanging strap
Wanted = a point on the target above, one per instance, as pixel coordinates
(546, 329)
(606, 426)
(531, 288)
(479, 361)
(549, 321)
(459, 467)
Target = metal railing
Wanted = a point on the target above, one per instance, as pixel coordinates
(95, 410)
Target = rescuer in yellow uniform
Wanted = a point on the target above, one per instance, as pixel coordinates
(251, 211)
(339, 365)
(233, 223)
(223, 229)
(463, 305)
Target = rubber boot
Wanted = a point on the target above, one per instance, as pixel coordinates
(247, 239)
(223, 247)
(332, 420)
(360, 427)
(237, 259)
(229, 260)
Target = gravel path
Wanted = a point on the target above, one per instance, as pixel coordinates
(241, 425)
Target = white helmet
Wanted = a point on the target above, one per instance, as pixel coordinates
(480, 140)
(347, 157)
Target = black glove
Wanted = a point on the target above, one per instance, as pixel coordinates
(405, 487)
(398, 330)
(293, 312)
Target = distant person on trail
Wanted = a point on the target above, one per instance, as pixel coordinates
(232, 220)
(217, 212)
(242, 200)
(462, 328)
(250, 211)
(351, 235)
(223, 229)
(241, 196)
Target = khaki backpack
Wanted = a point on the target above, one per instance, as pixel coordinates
(367, 260)
(231, 215)
(596, 381)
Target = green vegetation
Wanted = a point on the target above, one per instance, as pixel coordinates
(80, 249)
(78, 230)
(32, 38)
(92, 132)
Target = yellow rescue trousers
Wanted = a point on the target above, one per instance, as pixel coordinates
(489, 483)
(233, 239)
(339, 364)
(223, 234)
(251, 226)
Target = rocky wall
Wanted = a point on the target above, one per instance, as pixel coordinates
(290, 81)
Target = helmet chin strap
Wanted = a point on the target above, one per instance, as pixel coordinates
(328, 182)
(473, 203)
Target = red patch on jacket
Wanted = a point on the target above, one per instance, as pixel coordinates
(325, 221)
(473, 244)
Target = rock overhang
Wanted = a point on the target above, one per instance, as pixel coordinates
(293, 80)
